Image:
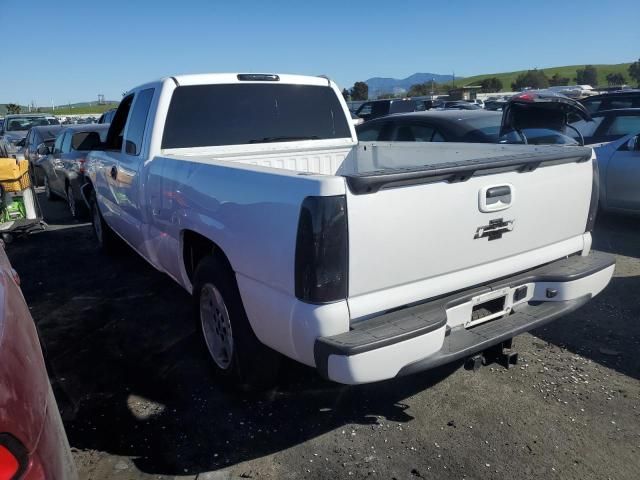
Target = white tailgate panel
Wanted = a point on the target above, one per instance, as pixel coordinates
(401, 236)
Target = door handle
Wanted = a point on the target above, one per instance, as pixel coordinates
(495, 198)
(501, 191)
(114, 172)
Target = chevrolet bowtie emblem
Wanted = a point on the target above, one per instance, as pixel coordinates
(495, 229)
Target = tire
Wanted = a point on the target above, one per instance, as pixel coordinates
(47, 190)
(77, 209)
(107, 239)
(237, 355)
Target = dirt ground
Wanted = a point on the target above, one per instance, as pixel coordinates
(139, 401)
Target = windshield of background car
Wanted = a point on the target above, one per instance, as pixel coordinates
(239, 114)
(25, 123)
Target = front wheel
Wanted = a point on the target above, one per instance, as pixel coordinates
(76, 209)
(236, 352)
(47, 190)
(107, 240)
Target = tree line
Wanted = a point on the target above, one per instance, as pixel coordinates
(535, 79)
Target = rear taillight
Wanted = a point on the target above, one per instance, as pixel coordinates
(13, 457)
(595, 197)
(81, 165)
(322, 250)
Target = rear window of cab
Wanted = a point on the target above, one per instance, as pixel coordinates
(239, 114)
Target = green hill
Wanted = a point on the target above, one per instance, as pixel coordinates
(567, 71)
(80, 108)
(74, 109)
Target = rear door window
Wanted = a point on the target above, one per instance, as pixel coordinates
(381, 108)
(405, 132)
(365, 110)
(624, 125)
(66, 143)
(57, 147)
(621, 103)
(240, 114)
(85, 141)
(587, 128)
(137, 122)
(369, 133)
(116, 129)
(422, 133)
(400, 106)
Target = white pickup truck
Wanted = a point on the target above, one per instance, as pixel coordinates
(364, 260)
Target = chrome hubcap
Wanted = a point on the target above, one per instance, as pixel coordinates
(216, 326)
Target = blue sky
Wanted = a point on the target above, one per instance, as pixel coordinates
(88, 47)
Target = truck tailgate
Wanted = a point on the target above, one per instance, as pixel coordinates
(420, 231)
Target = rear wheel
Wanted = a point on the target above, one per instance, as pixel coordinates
(107, 240)
(237, 354)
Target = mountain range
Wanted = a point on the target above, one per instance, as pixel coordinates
(380, 85)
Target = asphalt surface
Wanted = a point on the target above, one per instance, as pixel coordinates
(139, 401)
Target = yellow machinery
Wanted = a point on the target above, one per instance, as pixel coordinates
(19, 209)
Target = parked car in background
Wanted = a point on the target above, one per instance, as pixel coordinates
(495, 103)
(475, 126)
(609, 125)
(15, 128)
(573, 91)
(458, 105)
(466, 126)
(379, 108)
(107, 116)
(6, 150)
(612, 101)
(37, 138)
(64, 165)
(33, 443)
(619, 167)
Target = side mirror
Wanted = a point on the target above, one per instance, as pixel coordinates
(43, 150)
(21, 143)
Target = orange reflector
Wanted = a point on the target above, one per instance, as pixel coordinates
(8, 464)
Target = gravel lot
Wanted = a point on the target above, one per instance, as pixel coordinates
(139, 401)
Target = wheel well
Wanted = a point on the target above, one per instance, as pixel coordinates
(195, 247)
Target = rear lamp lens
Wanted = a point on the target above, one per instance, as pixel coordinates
(321, 250)
(9, 464)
